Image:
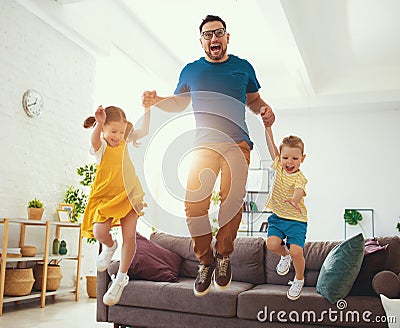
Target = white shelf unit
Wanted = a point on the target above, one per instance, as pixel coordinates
(255, 216)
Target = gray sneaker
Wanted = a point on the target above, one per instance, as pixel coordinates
(283, 266)
(295, 289)
(223, 272)
(202, 284)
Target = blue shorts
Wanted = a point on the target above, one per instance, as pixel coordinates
(294, 231)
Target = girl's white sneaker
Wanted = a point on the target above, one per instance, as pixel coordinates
(113, 294)
(105, 257)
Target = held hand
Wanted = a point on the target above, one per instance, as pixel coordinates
(293, 203)
(267, 115)
(149, 98)
(100, 115)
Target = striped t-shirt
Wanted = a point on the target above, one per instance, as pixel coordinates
(283, 188)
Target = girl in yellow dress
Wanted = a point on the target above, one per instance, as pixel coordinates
(116, 197)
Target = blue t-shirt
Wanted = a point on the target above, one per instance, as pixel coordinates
(218, 92)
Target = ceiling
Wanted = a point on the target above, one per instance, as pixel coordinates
(342, 54)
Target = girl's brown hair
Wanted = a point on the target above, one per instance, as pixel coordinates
(293, 142)
(113, 114)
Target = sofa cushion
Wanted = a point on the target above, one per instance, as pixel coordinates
(246, 259)
(392, 310)
(179, 297)
(183, 246)
(372, 246)
(374, 261)
(340, 269)
(386, 283)
(393, 260)
(269, 303)
(153, 262)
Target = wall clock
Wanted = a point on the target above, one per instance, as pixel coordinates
(32, 102)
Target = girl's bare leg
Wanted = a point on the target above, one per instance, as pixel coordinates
(128, 228)
(101, 232)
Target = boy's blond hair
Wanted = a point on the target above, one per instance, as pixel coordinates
(293, 142)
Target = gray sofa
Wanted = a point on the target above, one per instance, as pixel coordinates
(256, 297)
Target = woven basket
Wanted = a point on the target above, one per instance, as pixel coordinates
(18, 282)
(91, 286)
(54, 276)
(28, 250)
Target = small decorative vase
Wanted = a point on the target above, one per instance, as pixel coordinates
(56, 246)
(63, 247)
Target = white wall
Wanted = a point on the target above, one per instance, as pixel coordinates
(352, 160)
(40, 155)
(121, 82)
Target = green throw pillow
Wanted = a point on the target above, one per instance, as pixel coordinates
(340, 269)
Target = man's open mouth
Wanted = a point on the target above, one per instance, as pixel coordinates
(215, 47)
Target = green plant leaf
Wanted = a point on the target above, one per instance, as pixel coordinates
(91, 240)
(79, 199)
(35, 203)
(77, 196)
(88, 172)
(215, 197)
(352, 217)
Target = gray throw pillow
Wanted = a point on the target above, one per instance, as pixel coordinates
(340, 269)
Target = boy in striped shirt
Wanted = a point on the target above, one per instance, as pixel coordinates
(289, 218)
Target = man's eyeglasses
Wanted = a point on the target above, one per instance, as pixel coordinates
(219, 33)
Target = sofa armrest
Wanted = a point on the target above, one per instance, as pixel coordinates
(103, 280)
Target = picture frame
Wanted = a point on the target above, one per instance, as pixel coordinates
(67, 207)
(366, 226)
(243, 226)
(63, 216)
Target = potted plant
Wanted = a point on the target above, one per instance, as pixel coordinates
(353, 217)
(77, 196)
(35, 209)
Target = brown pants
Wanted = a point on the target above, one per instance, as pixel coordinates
(232, 160)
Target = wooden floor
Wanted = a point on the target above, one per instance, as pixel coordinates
(61, 312)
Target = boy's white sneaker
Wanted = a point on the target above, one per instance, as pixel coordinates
(113, 294)
(105, 257)
(284, 265)
(295, 289)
